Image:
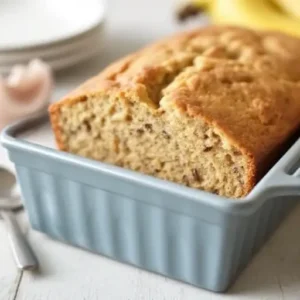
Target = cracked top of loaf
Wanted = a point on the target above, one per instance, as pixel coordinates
(245, 83)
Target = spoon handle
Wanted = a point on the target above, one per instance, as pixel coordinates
(22, 252)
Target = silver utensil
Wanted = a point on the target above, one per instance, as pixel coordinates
(22, 252)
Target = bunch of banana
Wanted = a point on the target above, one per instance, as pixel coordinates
(281, 15)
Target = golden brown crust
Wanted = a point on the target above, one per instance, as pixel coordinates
(245, 83)
(54, 120)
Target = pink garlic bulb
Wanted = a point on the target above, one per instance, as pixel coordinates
(25, 90)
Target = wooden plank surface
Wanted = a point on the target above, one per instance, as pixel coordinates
(9, 277)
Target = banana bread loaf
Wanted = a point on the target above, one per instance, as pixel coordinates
(209, 109)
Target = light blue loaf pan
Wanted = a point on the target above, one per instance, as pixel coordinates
(180, 232)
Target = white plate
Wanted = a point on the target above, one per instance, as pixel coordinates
(52, 52)
(29, 23)
(68, 59)
(71, 60)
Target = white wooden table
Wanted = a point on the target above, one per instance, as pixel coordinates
(69, 273)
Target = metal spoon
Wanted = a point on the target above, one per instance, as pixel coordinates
(22, 252)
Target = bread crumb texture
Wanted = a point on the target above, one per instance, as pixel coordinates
(206, 108)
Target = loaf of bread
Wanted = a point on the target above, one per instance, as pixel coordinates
(209, 109)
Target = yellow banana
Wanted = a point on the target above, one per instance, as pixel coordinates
(257, 14)
(202, 3)
(189, 8)
(291, 7)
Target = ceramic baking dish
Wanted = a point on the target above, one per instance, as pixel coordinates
(180, 232)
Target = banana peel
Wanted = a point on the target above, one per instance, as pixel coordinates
(291, 7)
(255, 14)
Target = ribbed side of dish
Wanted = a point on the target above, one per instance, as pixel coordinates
(208, 255)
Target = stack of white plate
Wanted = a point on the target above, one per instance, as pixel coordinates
(61, 33)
